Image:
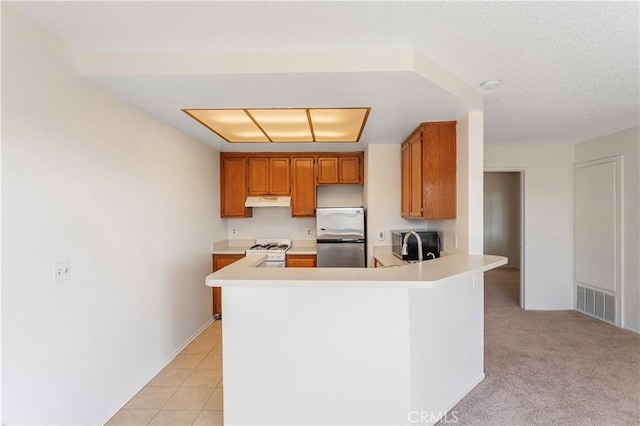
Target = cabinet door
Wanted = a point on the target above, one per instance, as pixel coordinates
(233, 187)
(327, 170)
(303, 191)
(406, 181)
(268, 176)
(439, 170)
(220, 261)
(415, 176)
(349, 170)
(258, 175)
(301, 261)
(279, 183)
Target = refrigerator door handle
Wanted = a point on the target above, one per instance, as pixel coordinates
(340, 240)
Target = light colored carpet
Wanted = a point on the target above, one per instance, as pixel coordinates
(550, 367)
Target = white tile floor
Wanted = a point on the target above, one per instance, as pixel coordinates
(188, 391)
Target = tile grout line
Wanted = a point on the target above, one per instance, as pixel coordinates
(217, 341)
(183, 387)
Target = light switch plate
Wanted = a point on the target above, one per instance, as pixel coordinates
(380, 235)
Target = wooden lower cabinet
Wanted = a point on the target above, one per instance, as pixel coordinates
(219, 261)
(301, 261)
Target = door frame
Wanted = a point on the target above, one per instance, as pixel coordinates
(521, 172)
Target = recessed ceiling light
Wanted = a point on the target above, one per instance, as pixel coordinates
(491, 84)
(258, 125)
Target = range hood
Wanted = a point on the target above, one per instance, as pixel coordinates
(268, 201)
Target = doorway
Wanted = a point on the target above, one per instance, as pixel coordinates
(503, 227)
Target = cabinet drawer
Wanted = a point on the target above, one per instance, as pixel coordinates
(301, 261)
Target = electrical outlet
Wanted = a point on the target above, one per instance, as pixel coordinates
(380, 235)
(61, 271)
(308, 232)
(234, 231)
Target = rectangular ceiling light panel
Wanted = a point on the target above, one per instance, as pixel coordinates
(338, 124)
(233, 125)
(284, 124)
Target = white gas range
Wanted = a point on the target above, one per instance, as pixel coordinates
(274, 249)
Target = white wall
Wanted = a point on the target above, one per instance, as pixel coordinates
(340, 196)
(548, 217)
(271, 222)
(626, 144)
(502, 215)
(130, 202)
(382, 195)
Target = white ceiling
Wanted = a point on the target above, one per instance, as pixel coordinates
(570, 69)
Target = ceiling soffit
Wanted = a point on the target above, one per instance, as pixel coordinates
(279, 62)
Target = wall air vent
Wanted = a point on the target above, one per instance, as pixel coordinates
(596, 303)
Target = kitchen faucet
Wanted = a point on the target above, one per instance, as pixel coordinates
(405, 250)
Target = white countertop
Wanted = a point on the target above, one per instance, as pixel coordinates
(385, 257)
(232, 246)
(302, 250)
(245, 273)
(303, 247)
(240, 246)
(386, 260)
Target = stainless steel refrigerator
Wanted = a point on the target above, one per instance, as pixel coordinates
(340, 234)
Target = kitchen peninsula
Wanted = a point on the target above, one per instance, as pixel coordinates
(379, 346)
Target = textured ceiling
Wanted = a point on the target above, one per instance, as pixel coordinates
(570, 69)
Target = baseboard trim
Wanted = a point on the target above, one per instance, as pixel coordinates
(464, 392)
(631, 329)
(146, 379)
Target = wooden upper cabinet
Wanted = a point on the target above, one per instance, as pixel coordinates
(411, 191)
(269, 176)
(327, 170)
(303, 187)
(406, 179)
(233, 186)
(341, 169)
(284, 173)
(279, 180)
(429, 172)
(415, 175)
(439, 169)
(349, 170)
(258, 176)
